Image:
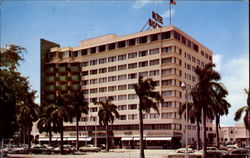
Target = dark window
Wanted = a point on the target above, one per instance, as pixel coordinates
(93, 50)
(177, 35)
(131, 42)
(121, 44)
(111, 46)
(84, 52)
(154, 37)
(102, 48)
(165, 35)
(143, 39)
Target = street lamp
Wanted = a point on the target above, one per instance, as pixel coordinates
(184, 87)
(94, 119)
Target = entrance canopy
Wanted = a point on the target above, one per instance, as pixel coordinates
(46, 139)
(159, 138)
(127, 138)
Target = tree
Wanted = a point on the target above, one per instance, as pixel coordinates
(80, 105)
(246, 109)
(194, 117)
(221, 107)
(62, 112)
(148, 98)
(203, 93)
(45, 123)
(16, 97)
(107, 113)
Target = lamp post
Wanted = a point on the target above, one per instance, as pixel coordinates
(184, 87)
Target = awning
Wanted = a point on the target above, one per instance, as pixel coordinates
(64, 139)
(72, 139)
(138, 138)
(159, 138)
(85, 139)
(43, 139)
(126, 138)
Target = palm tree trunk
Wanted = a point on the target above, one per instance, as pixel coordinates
(61, 134)
(198, 135)
(204, 155)
(77, 133)
(29, 141)
(141, 134)
(50, 134)
(107, 137)
(217, 121)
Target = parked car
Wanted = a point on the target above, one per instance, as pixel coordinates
(237, 153)
(231, 147)
(181, 152)
(67, 149)
(15, 149)
(40, 149)
(215, 152)
(89, 148)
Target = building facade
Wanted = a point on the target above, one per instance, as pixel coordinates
(109, 66)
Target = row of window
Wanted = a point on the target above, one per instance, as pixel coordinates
(127, 127)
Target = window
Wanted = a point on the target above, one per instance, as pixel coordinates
(85, 64)
(112, 78)
(102, 70)
(132, 106)
(84, 52)
(154, 62)
(132, 76)
(188, 56)
(85, 82)
(93, 100)
(143, 64)
(93, 72)
(102, 60)
(166, 49)
(132, 116)
(122, 107)
(132, 55)
(93, 90)
(166, 71)
(102, 89)
(103, 80)
(121, 44)
(112, 68)
(131, 42)
(85, 91)
(154, 116)
(166, 35)
(122, 97)
(93, 62)
(167, 104)
(114, 97)
(112, 59)
(202, 53)
(103, 99)
(122, 117)
(193, 59)
(154, 73)
(111, 88)
(167, 93)
(143, 53)
(166, 82)
(93, 50)
(93, 81)
(122, 87)
(122, 77)
(132, 66)
(102, 48)
(130, 86)
(132, 96)
(93, 109)
(85, 73)
(111, 46)
(166, 115)
(166, 60)
(143, 74)
(154, 51)
(122, 57)
(122, 67)
(143, 39)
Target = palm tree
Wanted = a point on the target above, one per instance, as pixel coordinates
(107, 113)
(45, 119)
(63, 112)
(220, 108)
(80, 106)
(148, 99)
(203, 93)
(193, 112)
(246, 109)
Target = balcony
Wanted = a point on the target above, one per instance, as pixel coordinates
(63, 78)
(75, 87)
(62, 69)
(50, 97)
(63, 88)
(74, 69)
(51, 70)
(51, 79)
(50, 88)
(75, 78)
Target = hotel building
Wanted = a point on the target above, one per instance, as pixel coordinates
(109, 66)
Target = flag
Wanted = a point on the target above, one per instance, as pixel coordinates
(173, 2)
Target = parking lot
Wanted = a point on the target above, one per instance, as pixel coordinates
(116, 153)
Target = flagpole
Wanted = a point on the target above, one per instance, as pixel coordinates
(169, 12)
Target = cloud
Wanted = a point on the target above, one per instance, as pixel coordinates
(235, 76)
(166, 13)
(141, 3)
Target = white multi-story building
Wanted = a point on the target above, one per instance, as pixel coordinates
(109, 65)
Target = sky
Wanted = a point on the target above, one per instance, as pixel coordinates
(222, 26)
